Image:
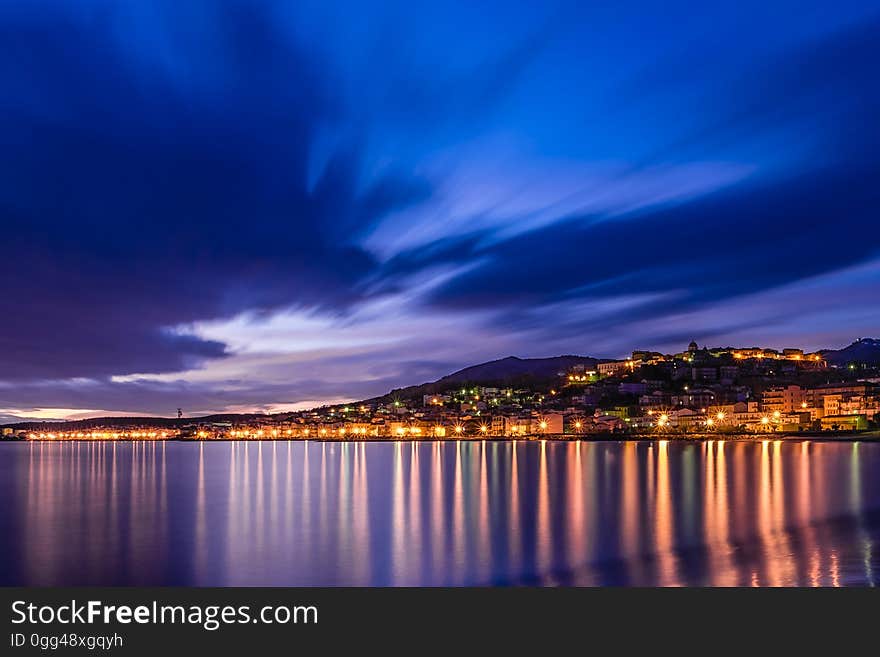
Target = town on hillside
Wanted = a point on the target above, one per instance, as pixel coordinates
(695, 392)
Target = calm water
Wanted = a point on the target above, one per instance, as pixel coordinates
(297, 513)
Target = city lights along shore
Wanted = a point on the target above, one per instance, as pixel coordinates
(701, 392)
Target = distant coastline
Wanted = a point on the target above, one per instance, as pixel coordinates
(831, 436)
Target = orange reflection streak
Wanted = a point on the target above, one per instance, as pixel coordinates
(780, 569)
(592, 501)
(361, 518)
(765, 518)
(201, 538)
(802, 493)
(458, 537)
(275, 520)
(483, 526)
(230, 511)
(576, 536)
(343, 514)
(709, 504)
(717, 517)
(136, 502)
(783, 547)
(113, 538)
(323, 513)
(244, 498)
(722, 512)
(544, 535)
(664, 522)
(289, 524)
(438, 530)
(163, 509)
(306, 551)
(514, 537)
(415, 551)
(398, 517)
(38, 519)
(629, 503)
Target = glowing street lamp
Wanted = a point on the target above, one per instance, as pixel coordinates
(483, 428)
(459, 429)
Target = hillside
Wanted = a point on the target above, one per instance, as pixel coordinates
(864, 350)
(510, 371)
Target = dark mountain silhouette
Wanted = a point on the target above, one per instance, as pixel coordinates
(506, 372)
(863, 350)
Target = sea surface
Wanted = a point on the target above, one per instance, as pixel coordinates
(735, 513)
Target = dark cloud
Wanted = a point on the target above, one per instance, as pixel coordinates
(767, 231)
(140, 192)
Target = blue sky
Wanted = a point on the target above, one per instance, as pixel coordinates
(237, 206)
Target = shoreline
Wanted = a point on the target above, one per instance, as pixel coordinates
(827, 436)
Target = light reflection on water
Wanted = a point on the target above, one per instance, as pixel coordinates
(440, 513)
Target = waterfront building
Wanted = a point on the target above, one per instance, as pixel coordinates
(844, 422)
(785, 399)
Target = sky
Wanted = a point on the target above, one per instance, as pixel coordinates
(239, 206)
